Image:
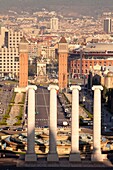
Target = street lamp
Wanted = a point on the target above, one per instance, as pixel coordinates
(84, 99)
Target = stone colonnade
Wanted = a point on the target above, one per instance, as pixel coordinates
(74, 154)
(30, 154)
(52, 155)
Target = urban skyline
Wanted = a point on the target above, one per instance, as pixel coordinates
(56, 83)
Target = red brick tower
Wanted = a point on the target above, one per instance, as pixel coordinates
(23, 60)
(63, 60)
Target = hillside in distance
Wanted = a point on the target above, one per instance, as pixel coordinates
(84, 7)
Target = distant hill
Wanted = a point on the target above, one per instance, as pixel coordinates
(86, 7)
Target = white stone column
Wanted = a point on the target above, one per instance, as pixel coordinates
(30, 154)
(52, 155)
(97, 156)
(75, 155)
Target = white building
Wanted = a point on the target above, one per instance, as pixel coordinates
(9, 52)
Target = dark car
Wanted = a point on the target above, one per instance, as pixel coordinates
(6, 128)
(19, 129)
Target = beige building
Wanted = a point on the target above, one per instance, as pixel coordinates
(54, 24)
(46, 52)
(9, 53)
(9, 62)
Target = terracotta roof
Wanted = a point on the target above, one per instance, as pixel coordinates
(62, 40)
(23, 40)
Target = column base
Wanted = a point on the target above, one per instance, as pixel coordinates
(52, 157)
(22, 157)
(30, 157)
(98, 157)
(74, 157)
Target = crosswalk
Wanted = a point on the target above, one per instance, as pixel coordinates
(41, 119)
(59, 106)
(60, 120)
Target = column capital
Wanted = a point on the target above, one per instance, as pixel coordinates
(99, 87)
(34, 87)
(75, 87)
(53, 86)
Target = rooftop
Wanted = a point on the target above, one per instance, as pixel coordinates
(23, 40)
(63, 40)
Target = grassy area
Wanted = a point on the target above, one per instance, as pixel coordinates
(13, 97)
(19, 117)
(3, 122)
(82, 105)
(11, 82)
(87, 112)
(23, 99)
(67, 100)
(8, 110)
(6, 116)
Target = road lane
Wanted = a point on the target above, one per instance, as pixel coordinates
(42, 108)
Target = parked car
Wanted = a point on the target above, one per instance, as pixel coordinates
(6, 128)
(19, 129)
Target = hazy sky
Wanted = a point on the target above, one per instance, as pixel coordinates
(78, 5)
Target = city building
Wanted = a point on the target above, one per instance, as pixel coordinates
(107, 25)
(62, 62)
(9, 53)
(94, 53)
(45, 51)
(54, 24)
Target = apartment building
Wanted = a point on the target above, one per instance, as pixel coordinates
(54, 24)
(107, 25)
(9, 52)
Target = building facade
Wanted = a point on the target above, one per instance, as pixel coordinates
(9, 53)
(92, 55)
(107, 25)
(54, 24)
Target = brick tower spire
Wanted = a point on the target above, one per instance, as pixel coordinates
(63, 57)
(23, 73)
